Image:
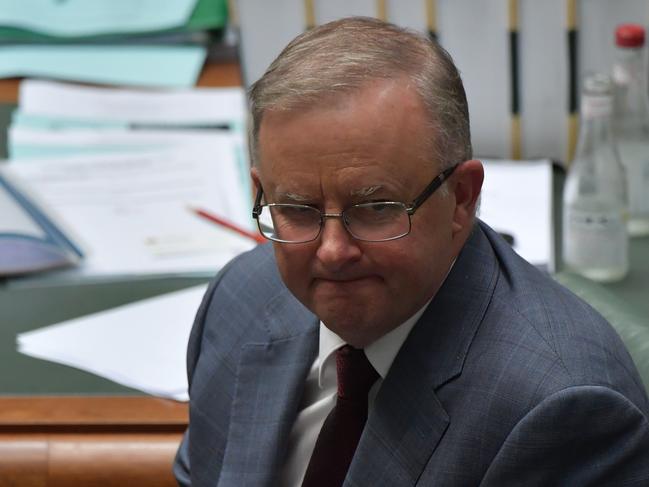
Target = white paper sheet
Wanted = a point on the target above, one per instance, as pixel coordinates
(198, 106)
(112, 137)
(140, 345)
(130, 212)
(517, 199)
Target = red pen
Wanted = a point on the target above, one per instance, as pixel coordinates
(228, 224)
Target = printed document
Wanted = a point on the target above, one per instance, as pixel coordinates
(131, 212)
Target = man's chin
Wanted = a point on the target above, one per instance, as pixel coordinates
(351, 331)
(357, 325)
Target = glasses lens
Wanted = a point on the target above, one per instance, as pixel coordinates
(289, 223)
(378, 221)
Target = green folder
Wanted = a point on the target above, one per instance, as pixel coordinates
(207, 14)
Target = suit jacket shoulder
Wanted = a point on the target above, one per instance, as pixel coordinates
(248, 324)
(528, 368)
(530, 312)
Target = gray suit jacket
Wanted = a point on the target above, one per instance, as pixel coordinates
(507, 379)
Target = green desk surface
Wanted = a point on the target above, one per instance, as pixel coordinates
(624, 304)
(24, 308)
(633, 290)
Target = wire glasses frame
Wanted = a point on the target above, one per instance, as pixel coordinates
(389, 220)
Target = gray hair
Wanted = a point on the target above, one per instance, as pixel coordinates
(343, 56)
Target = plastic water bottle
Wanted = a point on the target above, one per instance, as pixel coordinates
(595, 239)
(631, 121)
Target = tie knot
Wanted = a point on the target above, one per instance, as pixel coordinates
(355, 373)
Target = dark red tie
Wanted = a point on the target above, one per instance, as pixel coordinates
(343, 426)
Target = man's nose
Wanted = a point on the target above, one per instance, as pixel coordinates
(336, 246)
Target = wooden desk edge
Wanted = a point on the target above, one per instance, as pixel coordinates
(81, 412)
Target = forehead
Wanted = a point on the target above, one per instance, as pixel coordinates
(380, 131)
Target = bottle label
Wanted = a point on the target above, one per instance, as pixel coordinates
(593, 106)
(595, 239)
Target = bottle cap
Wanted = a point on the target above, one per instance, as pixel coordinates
(629, 35)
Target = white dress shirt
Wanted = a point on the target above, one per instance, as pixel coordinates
(320, 393)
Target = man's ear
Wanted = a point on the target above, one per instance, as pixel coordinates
(468, 183)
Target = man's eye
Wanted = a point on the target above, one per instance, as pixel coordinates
(298, 212)
(381, 207)
(375, 212)
(301, 209)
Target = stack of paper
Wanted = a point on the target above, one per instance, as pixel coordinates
(143, 43)
(140, 345)
(122, 171)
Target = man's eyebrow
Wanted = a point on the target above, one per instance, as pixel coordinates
(366, 191)
(297, 198)
(302, 198)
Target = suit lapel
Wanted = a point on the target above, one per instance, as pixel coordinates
(270, 379)
(407, 421)
(403, 429)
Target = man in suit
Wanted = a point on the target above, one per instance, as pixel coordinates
(485, 371)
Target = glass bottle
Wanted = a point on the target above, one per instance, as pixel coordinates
(595, 239)
(631, 121)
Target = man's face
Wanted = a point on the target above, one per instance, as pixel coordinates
(368, 146)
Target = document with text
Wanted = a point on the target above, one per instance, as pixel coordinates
(132, 213)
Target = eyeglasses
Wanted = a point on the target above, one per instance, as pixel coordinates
(370, 222)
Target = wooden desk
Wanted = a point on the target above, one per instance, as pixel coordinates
(63, 427)
(107, 441)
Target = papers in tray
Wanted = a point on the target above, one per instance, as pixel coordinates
(140, 345)
(122, 168)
